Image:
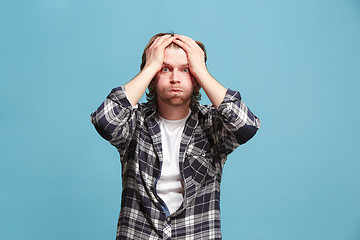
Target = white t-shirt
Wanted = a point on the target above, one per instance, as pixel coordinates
(170, 187)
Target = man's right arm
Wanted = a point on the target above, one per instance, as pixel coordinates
(136, 88)
(115, 118)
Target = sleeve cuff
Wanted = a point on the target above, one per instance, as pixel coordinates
(118, 95)
(231, 96)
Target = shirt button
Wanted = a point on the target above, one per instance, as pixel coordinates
(168, 219)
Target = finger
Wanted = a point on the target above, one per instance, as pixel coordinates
(166, 42)
(183, 39)
(155, 43)
(187, 40)
(182, 44)
(161, 39)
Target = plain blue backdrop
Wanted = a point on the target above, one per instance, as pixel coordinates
(296, 64)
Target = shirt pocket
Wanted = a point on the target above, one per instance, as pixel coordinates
(201, 164)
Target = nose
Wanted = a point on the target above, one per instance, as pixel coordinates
(175, 77)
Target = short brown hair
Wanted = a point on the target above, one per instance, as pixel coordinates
(151, 96)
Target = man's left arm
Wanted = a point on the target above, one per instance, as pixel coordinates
(238, 123)
(196, 58)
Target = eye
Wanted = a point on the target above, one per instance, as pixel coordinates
(185, 70)
(165, 69)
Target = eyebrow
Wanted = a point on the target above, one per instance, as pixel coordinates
(182, 65)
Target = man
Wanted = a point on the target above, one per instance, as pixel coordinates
(173, 149)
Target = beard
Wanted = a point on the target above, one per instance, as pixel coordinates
(175, 100)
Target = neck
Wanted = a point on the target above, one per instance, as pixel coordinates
(173, 112)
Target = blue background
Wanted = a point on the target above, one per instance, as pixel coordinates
(296, 64)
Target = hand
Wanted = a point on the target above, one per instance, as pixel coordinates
(155, 53)
(195, 55)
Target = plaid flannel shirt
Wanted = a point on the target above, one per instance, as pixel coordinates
(210, 134)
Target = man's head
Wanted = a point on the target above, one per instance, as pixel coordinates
(152, 95)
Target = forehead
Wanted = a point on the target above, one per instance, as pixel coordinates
(175, 56)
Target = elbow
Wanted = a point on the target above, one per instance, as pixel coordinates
(103, 133)
(245, 133)
(99, 128)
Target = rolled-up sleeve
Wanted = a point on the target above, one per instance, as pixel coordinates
(237, 123)
(115, 117)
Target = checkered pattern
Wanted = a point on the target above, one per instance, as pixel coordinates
(210, 134)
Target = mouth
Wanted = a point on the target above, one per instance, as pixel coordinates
(175, 91)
